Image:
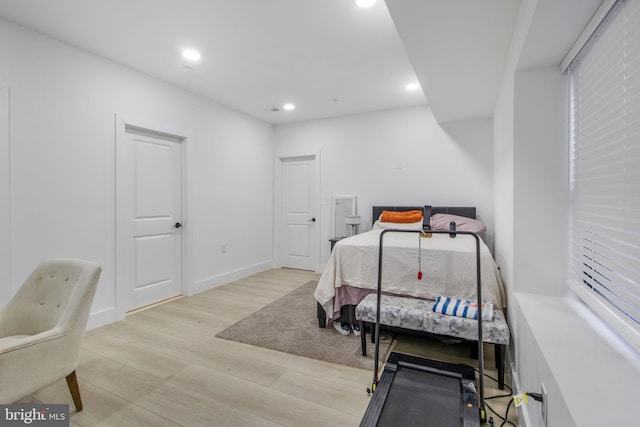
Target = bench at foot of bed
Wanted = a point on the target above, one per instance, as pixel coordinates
(418, 315)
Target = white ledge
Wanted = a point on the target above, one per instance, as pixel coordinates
(596, 372)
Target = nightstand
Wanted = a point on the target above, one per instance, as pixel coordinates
(333, 241)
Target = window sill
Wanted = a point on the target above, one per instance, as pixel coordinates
(611, 318)
(593, 369)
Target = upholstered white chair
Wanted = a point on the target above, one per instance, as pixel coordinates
(42, 327)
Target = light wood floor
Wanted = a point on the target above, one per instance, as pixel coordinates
(164, 367)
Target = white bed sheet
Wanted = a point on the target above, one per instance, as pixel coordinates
(448, 267)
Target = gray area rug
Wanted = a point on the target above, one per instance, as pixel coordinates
(290, 325)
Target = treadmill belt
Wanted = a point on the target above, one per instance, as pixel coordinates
(422, 399)
(414, 391)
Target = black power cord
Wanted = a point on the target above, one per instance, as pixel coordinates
(506, 414)
(499, 396)
(535, 396)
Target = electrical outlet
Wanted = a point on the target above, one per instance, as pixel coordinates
(543, 404)
(223, 248)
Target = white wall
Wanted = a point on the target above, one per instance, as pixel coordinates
(540, 253)
(397, 157)
(587, 371)
(62, 148)
(5, 190)
(541, 177)
(503, 183)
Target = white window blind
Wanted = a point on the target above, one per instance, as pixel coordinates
(605, 171)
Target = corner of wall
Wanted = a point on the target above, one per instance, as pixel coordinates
(6, 279)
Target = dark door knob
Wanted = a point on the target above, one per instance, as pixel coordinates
(312, 220)
(178, 225)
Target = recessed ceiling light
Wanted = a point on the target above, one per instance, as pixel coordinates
(412, 86)
(191, 55)
(365, 3)
(289, 107)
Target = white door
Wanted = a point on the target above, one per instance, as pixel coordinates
(155, 215)
(299, 213)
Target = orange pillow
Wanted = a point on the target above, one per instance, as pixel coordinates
(401, 217)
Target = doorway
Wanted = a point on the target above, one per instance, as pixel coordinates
(299, 222)
(149, 217)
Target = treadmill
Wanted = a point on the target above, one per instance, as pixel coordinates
(415, 391)
(420, 392)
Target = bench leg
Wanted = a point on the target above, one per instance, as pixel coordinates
(499, 359)
(499, 350)
(474, 350)
(363, 337)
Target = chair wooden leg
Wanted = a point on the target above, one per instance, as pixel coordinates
(72, 382)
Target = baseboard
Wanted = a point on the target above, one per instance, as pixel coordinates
(104, 317)
(112, 314)
(523, 410)
(223, 279)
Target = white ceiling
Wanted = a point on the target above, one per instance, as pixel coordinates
(328, 57)
(458, 49)
(256, 54)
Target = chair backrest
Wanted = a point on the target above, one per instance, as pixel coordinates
(57, 294)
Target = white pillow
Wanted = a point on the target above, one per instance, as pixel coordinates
(397, 225)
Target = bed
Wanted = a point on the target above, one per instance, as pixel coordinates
(447, 265)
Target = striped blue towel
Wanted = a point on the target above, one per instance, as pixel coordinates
(463, 308)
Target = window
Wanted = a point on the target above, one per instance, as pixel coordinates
(605, 171)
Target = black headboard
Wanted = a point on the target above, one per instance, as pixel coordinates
(468, 211)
